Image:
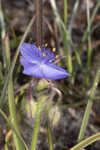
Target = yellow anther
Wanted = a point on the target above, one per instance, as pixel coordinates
(45, 44)
(44, 54)
(57, 56)
(39, 48)
(54, 49)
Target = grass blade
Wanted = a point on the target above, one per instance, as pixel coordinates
(86, 142)
(17, 142)
(2, 97)
(13, 128)
(89, 38)
(89, 106)
(49, 134)
(37, 122)
(65, 35)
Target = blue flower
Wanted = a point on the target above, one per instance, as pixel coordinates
(38, 62)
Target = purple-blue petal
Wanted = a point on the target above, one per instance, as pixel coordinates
(30, 52)
(47, 71)
(39, 66)
(54, 72)
(31, 69)
(25, 63)
(34, 71)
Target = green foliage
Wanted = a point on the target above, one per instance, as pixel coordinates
(46, 102)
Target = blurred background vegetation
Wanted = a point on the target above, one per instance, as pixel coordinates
(74, 30)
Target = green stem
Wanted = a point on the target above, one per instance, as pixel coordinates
(89, 38)
(65, 12)
(12, 110)
(89, 106)
(85, 35)
(6, 48)
(49, 132)
(66, 42)
(3, 29)
(3, 33)
(2, 97)
(37, 123)
(64, 33)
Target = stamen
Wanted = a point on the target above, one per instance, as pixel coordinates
(54, 49)
(43, 54)
(57, 56)
(39, 48)
(45, 44)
